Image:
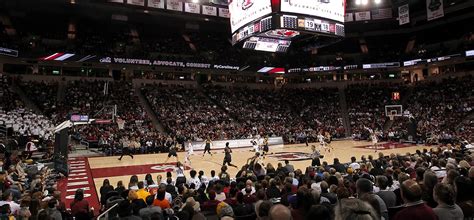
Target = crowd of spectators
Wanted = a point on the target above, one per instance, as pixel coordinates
(442, 121)
(366, 107)
(9, 100)
(261, 112)
(189, 113)
(45, 94)
(20, 123)
(430, 184)
(319, 108)
(29, 188)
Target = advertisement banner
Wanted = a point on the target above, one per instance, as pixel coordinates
(192, 8)
(362, 16)
(329, 9)
(166, 63)
(209, 10)
(136, 2)
(403, 14)
(434, 9)
(174, 5)
(349, 17)
(273, 142)
(224, 12)
(156, 3)
(8, 52)
(243, 12)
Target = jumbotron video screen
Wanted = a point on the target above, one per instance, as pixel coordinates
(292, 20)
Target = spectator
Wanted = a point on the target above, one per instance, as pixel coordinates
(387, 196)
(7, 198)
(415, 208)
(445, 197)
(147, 212)
(279, 212)
(80, 207)
(142, 193)
(354, 209)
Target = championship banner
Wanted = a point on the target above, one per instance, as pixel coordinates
(349, 17)
(434, 9)
(362, 16)
(382, 13)
(273, 142)
(224, 12)
(174, 5)
(156, 3)
(192, 8)
(209, 10)
(404, 14)
(136, 2)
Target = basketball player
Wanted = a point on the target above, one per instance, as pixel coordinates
(172, 153)
(228, 156)
(328, 140)
(126, 150)
(255, 145)
(322, 142)
(189, 152)
(265, 147)
(373, 136)
(207, 147)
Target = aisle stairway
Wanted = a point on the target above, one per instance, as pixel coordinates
(61, 91)
(344, 112)
(25, 99)
(149, 111)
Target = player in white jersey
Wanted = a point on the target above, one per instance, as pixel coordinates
(322, 141)
(373, 137)
(189, 152)
(255, 146)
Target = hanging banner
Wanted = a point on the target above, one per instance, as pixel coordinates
(156, 3)
(349, 17)
(434, 9)
(224, 12)
(404, 14)
(136, 2)
(362, 16)
(209, 10)
(174, 5)
(192, 8)
(381, 13)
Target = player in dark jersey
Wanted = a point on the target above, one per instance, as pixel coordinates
(126, 151)
(172, 153)
(207, 146)
(228, 156)
(265, 146)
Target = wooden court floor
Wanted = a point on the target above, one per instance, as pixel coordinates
(343, 150)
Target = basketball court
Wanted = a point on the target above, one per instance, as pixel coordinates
(298, 155)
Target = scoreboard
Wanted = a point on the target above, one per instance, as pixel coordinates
(280, 22)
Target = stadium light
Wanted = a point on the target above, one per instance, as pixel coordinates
(378, 1)
(195, 1)
(358, 2)
(365, 2)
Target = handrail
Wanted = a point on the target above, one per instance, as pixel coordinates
(106, 212)
(85, 143)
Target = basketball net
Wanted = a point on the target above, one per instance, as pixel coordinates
(391, 117)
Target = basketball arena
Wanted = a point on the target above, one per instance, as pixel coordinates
(238, 109)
